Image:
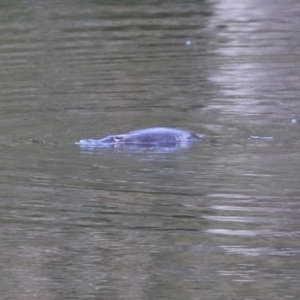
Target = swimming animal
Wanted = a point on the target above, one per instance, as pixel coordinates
(150, 137)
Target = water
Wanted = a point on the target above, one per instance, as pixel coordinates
(217, 220)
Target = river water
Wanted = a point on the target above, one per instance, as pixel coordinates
(218, 220)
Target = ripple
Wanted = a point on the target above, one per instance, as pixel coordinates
(264, 233)
(261, 251)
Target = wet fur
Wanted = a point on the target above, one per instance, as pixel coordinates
(153, 137)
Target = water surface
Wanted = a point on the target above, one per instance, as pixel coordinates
(217, 220)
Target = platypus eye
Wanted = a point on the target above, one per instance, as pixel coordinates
(118, 138)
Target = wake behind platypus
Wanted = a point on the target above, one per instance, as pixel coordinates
(145, 138)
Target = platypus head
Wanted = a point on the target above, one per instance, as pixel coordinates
(112, 139)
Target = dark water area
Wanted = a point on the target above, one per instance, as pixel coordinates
(217, 220)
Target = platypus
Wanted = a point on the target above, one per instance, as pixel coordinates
(150, 137)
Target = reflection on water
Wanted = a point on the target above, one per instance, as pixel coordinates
(217, 220)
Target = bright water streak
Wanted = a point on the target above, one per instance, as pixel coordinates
(217, 220)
